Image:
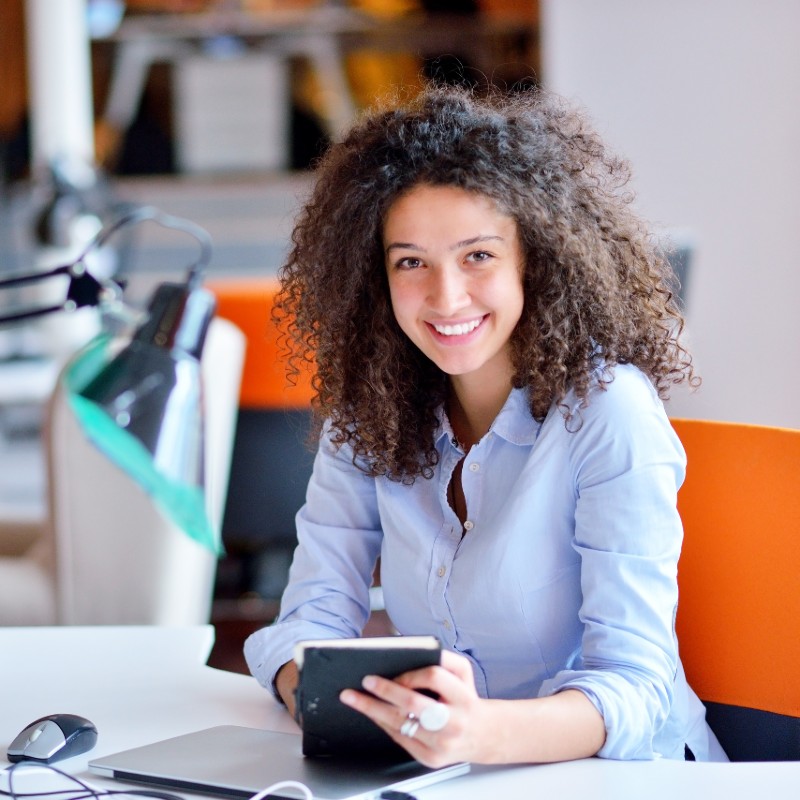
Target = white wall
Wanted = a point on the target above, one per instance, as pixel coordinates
(703, 96)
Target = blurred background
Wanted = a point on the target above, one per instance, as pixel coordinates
(216, 111)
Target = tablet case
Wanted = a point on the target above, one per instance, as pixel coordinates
(332, 728)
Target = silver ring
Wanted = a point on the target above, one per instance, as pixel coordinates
(410, 726)
(434, 717)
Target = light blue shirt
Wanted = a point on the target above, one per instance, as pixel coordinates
(565, 577)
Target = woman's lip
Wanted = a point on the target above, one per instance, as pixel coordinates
(467, 326)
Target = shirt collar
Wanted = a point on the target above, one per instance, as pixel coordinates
(514, 423)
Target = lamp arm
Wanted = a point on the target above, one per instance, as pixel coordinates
(34, 277)
(84, 289)
(19, 316)
(145, 213)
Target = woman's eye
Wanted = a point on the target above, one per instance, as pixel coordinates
(409, 263)
(479, 256)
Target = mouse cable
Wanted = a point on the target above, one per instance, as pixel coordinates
(85, 790)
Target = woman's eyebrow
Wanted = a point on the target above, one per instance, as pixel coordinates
(476, 240)
(456, 246)
(404, 246)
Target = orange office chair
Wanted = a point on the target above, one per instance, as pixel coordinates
(739, 578)
(271, 462)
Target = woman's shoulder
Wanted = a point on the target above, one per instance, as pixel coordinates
(621, 411)
(618, 390)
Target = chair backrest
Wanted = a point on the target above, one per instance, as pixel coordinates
(248, 303)
(118, 558)
(738, 618)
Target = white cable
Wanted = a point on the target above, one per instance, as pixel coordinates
(284, 785)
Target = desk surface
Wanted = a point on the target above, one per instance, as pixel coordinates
(139, 685)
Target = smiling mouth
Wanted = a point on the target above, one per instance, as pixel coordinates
(461, 329)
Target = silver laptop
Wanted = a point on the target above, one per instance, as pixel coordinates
(232, 761)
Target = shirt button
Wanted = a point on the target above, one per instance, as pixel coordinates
(474, 467)
(469, 525)
(446, 624)
(441, 572)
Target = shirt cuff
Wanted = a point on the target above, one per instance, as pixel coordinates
(632, 713)
(268, 649)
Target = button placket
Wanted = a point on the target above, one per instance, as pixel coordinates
(472, 481)
(443, 555)
(449, 462)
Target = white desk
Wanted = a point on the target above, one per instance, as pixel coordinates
(139, 685)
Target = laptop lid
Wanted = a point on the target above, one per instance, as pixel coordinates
(233, 761)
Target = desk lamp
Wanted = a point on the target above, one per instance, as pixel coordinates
(142, 405)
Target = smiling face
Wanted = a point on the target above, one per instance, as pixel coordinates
(454, 263)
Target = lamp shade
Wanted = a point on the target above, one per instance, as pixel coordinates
(143, 405)
(152, 387)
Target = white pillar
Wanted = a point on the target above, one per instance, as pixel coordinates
(62, 134)
(60, 82)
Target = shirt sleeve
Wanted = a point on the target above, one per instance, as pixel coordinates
(628, 465)
(339, 539)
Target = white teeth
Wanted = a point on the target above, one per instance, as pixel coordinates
(457, 330)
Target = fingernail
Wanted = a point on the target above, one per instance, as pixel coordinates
(369, 682)
(347, 697)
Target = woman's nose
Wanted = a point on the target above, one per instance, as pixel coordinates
(447, 291)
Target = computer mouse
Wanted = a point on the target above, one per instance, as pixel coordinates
(53, 738)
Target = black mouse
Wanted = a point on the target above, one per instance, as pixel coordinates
(53, 738)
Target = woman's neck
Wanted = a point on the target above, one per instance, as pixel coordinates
(472, 406)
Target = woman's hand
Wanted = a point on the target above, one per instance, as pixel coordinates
(557, 728)
(286, 683)
(470, 731)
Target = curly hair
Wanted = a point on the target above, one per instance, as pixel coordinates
(598, 290)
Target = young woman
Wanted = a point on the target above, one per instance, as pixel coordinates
(494, 330)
